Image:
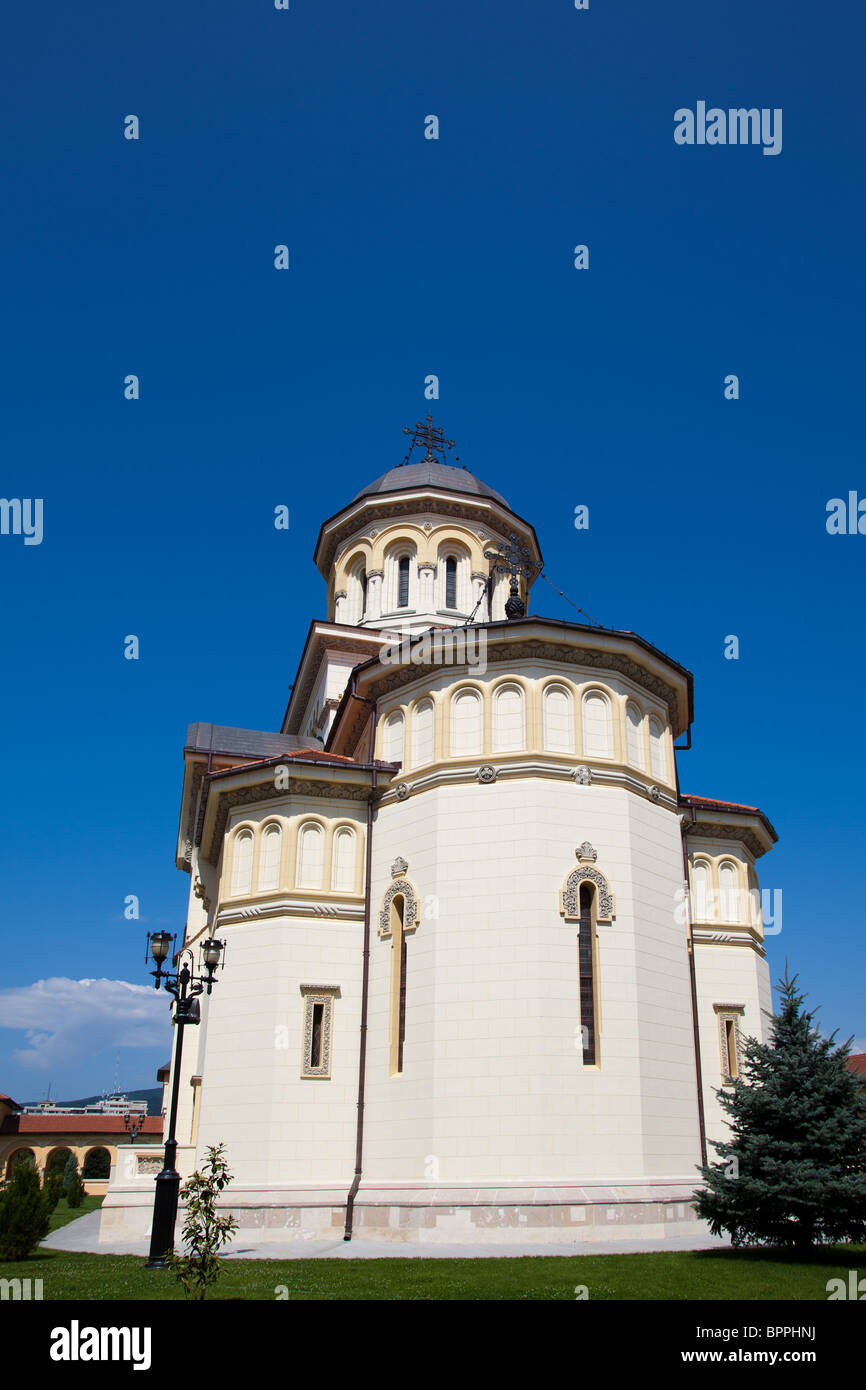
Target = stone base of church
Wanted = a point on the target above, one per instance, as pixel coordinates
(468, 1215)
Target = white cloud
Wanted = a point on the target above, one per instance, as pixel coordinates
(68, 1021)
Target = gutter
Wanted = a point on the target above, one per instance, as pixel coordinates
(699, 1076)
(365, 968)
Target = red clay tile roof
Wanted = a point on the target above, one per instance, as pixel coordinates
(713, 804)
(312, 755)
(75, 1124)
(7, 1100)
(857, 1063)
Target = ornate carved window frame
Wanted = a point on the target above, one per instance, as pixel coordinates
(729, 1013)
(400, 887)
(586, 872)
(313, 995)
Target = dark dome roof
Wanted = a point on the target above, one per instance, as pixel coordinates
(430, 473)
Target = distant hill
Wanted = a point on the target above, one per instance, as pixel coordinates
(153, 1096)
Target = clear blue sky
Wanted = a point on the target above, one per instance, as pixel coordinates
(409, 257)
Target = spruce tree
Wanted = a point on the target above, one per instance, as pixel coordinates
(76, 1191)
(793, 1171)
(70, 1171)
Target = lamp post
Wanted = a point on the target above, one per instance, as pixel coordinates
(186, 987)
(131, 1123)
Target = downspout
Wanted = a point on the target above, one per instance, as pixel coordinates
(691, 953)
(365, 972)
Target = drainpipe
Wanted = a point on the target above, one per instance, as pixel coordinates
(691, 953)
(365, 972)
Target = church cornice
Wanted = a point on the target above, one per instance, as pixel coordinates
(596, 649)
(745, 937)
(351, 520)
(753, 837)
(290, 905)
(251, 786)
(324, 637)
(503, 767)
(727, 820)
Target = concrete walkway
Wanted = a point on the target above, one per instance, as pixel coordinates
(83, 1235)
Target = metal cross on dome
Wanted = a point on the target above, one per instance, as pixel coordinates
(432, 438)
(513, 559)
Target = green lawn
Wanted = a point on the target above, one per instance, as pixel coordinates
(680, 1275)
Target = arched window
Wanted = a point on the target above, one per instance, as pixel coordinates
(242, 863)
(422, 733)
(701, 885)
(466, 723)
(97, 1164)
(597, 726)
(19, 1156)
(634, 735)
(269, 858)
(450, 582)
(343, 871)
(356, 592)
(558, 719)
(403, 582)
(58, 1161)
(754, 898)
(508, 724)
(658, 755)
(311, 856)
(393, 738)
(728, 892)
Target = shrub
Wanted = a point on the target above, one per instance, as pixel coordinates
(52, 1186)
(204, 1231)
(76, 1191)
(25, 1213)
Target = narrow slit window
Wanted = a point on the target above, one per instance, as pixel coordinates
(729, 1016)
(731, 1047)
(402, 1034)
(587, 978)
(450, 583)
(318, 1029)
(403, 583)
(316, 1039)
(398, 985)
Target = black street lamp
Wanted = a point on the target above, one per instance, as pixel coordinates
(131, 1122)
(186, 987)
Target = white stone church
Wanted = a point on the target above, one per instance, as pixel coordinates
(486, 966)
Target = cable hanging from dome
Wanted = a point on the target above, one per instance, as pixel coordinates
(590, 620)
(484, 593)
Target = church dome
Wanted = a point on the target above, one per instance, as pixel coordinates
(430, 472)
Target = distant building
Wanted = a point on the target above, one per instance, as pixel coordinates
(857, 1063)
(41, 1133)
(115, 1104)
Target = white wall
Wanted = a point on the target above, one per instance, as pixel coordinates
(493, 1084)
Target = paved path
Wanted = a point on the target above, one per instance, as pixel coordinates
(83, 1235)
